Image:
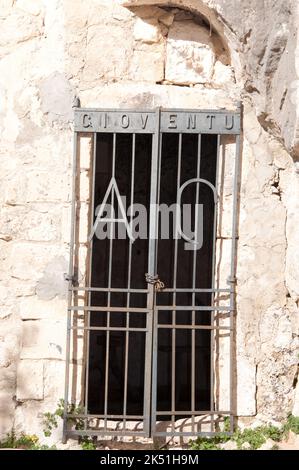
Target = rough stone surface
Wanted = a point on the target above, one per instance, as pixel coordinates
(268, 445)
(136, 54)
(189, 54)
(230, 445)
(30, 381)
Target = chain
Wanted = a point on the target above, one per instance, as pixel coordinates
(154, 279)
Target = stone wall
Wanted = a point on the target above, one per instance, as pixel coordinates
(184, 53)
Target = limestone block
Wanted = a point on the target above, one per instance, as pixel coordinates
(246, 386)
(33, 308)
(28, 261)
(30, 380)
(9, 345)
(84, 195)
(223, 261)
(44, 339)
(147, 31)
(54, 376)
(38, 186)
(115, 47)
(292, 254)
(56, 96)
(40, 224)
(84, 223)
(52, 283)
(4, 355)
(8, 380)
(223, 74)
(31, 6)
(145, 95)
(76, 15)
(147, 64)
(29, 416)
(18, 27)
(268, 288)
(167, 19)
(7, 410)
(268, 233)
(86, 151)
(295, 410)
(189, 54)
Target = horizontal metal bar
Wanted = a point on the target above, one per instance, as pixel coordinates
(121, 417)
(191, 434)
(108, 309)
(197, 308)
(151, 111)
(210, 291)
(193, 327)
(193, 413)
(89, 432)
(103, 328)
(109, 289)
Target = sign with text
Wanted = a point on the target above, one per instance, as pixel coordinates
(145, 122)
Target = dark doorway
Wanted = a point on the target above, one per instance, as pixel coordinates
(117, 358)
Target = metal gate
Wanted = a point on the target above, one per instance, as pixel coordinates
(150, 352)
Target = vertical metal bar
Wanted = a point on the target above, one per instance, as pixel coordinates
(129, 280)
(150, 385)
(193, 336)
(111, 234)
(175, 266)
(233, 276)
(70, 284)
(212, 337)
(90, 272)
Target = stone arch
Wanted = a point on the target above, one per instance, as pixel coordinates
(198, 7)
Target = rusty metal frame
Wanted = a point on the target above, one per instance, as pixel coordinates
(156, 123)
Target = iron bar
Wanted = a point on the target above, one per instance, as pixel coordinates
(110, 328)
(70, 283)
(196, 327)
(109, 309)
(232, 279)
(193, 338)
(175, 267)
(94, 159)
(212, 337)
(112, 228)
(145, 291)
(111, 289)
(196, 307)
(129, 281)
(152, 268)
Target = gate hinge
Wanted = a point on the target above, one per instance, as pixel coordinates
(232, 280)
(69, 277)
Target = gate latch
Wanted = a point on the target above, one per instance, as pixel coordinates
(150, 279)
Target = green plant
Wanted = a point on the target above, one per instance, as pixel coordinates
(254, 437)
(50, 420)
(209, 443)
(9, 441)
(273, 432)
(292, 424)
(43, 447)
(24, 441)
(88, 444)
